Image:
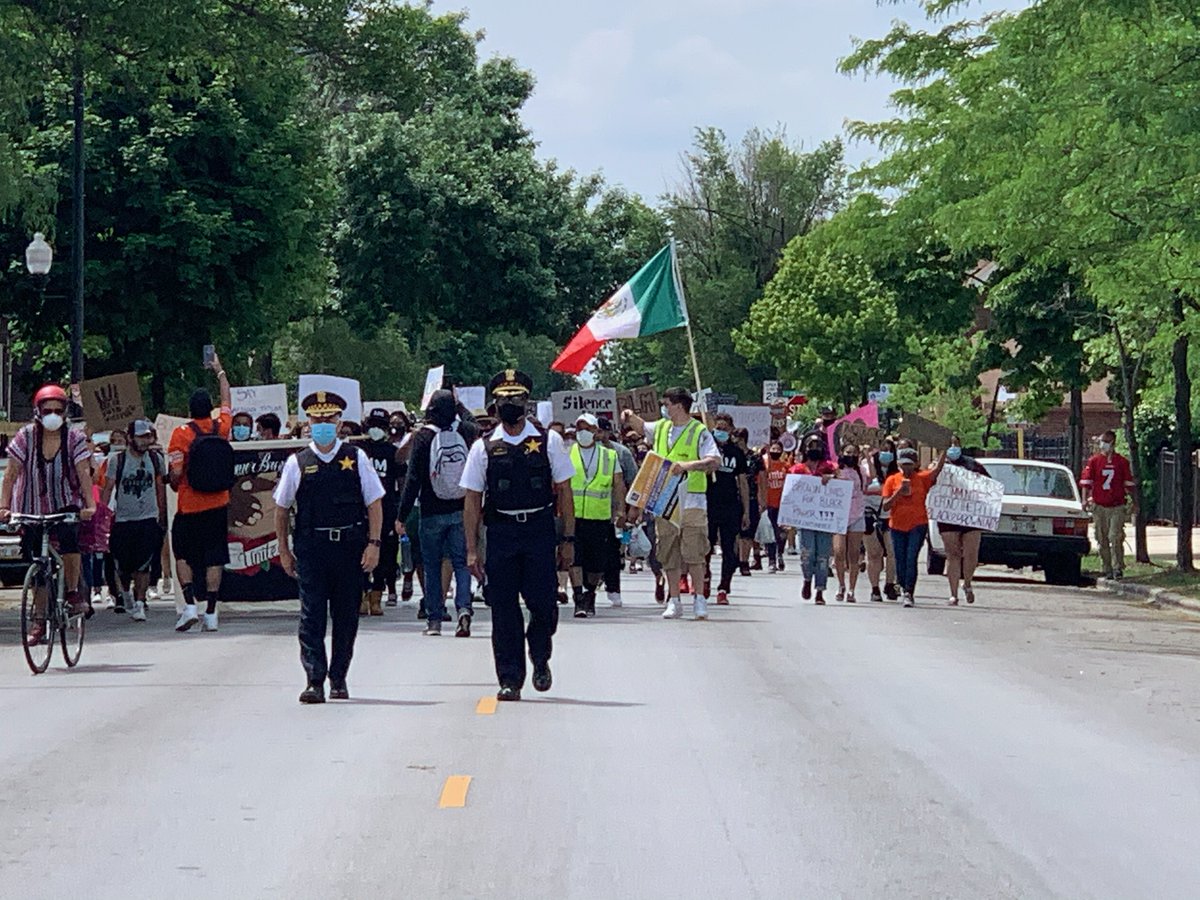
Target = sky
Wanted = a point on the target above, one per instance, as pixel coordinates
(622, 85)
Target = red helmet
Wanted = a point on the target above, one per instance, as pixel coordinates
(48, 392)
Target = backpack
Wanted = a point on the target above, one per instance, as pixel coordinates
(447, 460)
(209, 461)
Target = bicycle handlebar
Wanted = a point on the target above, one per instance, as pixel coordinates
(66, 518)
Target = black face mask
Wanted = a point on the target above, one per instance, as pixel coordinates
(848, 462)
(814, 455)
(775, 455)
(510, 413)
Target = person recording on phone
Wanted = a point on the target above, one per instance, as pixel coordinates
(904, 499)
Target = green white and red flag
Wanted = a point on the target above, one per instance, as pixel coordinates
(649, 302)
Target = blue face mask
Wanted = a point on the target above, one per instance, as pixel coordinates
(241, 432)
(324, 433)
(954, 454)
(721, 436)
(663, 410)
(887, 458)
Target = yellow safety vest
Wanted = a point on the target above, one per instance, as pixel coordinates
(593, 499)
(686, 449)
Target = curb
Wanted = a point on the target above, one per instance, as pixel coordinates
(1153, 596)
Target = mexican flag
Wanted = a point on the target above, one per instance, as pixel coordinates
(650, 302)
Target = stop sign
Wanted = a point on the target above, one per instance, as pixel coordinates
(796, 402)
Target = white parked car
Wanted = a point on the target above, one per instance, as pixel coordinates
(1042, 523)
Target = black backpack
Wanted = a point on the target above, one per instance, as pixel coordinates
(209, 462)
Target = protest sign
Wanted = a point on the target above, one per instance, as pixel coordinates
(642, 402)
(545, 412)
(473, 398)
(755, 419)
(112, 401)
(346, 388)
(655, 489)
(260, 399)
(858, 427)
(570, 405)
(807, 503)
(392, 406)
(433, 381)
(925, 431)
(966, 498)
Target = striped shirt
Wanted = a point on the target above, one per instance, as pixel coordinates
(43, 488)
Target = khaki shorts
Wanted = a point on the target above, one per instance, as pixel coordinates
(677, 547)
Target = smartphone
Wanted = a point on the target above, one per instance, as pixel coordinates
(210, 353)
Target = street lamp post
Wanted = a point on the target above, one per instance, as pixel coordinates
(39, 256)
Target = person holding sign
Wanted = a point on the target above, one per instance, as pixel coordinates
(904, 498)
(815, 546)
(961, 543)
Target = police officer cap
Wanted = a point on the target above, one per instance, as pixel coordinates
(510, 383)
(322, 404)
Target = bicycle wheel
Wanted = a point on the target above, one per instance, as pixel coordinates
(71, 635)
(37, 655)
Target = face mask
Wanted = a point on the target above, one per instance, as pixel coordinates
(241, 432)
(585, 439)
(376, 433)
(813, 455)
(848, 462)
(324, 433)
(98, 458)
(511, 413)
(663, 411)
(721, 436)
(886, 457)
(775, 454)
(52, 421)
(954, 454)
(1105, 446)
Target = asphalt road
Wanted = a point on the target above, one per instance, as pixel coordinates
(1042, 743)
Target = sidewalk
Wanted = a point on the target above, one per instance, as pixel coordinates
(1160, 541)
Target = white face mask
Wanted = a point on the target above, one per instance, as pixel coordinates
(1105, 447)
(376, 434)
(585, 439)
(52, 421)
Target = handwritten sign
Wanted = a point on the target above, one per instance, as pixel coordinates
(570, 405)
(260, 399)
(346, 388)
(755, 419)
(655, 489)
(433, 381)
(112, 402)
(641, 401)
(807, 503)
(966, 498)
(866, 418)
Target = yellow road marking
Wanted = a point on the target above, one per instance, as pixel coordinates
(454, 794)
(486, 706)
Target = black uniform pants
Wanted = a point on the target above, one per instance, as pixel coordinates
(522, 561)
(330, 575)
(723, 528)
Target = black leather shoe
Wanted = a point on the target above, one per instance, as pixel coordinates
(580, 611)
(542, 679)
(338, 691)
(314, 693)
(508, 692)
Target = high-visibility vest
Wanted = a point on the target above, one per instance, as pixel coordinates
(593, 498)
(686, 449)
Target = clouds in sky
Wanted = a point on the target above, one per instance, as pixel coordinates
(621, 85)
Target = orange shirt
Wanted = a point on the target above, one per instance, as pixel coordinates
(191, 501)
(775, 471)
(908, 512)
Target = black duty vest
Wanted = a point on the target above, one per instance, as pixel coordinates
(518, 475)
(330, 494)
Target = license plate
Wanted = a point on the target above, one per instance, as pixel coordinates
(10, 551)
(1024, 525)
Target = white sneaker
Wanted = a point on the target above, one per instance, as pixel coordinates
(908, 599)
(699, 607)
(110, 605)
(152, 593)
(210, 622)
(614, 600)
(167, 588)
(187, 618)
(139, 611)
(674, 609)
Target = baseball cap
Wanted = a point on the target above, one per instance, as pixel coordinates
(141, 428)
(587, 419)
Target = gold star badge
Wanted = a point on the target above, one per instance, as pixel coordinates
(347, 463)
(533, 445)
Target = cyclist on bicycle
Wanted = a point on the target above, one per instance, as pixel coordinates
(50, 471)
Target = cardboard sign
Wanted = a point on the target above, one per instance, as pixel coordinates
(260, 399)
(433, 381)
(112, 402)
(655, 489)
(755, 419)
(807, 503)
(963, 497)
(473, 398)
(570, 405)
(865, 417)
(346, 388)
(925, 431)
(642, 402)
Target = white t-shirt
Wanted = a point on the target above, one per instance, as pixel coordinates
(289, 478)
(474, 477)
(707, 450)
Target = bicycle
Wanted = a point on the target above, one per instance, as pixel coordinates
(46, 572)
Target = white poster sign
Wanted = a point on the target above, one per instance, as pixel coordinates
(570, 405)
(807, 503)
(346, 388)
(473, 398)
(755, 419)
(260, 399)
(392, 406)
(545, 412)
(963, 497)
(433, 381)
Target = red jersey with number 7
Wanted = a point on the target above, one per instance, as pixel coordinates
(1109, 479)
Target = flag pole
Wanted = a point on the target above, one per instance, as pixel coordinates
(687, 319)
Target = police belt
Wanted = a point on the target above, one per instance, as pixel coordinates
(521, 515)
(337, 535)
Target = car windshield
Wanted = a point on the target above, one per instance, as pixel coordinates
(1033, 481)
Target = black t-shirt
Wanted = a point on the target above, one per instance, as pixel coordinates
(723, 493)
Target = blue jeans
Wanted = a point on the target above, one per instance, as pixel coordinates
(815, 549)
(443, 536)
(907, 545)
